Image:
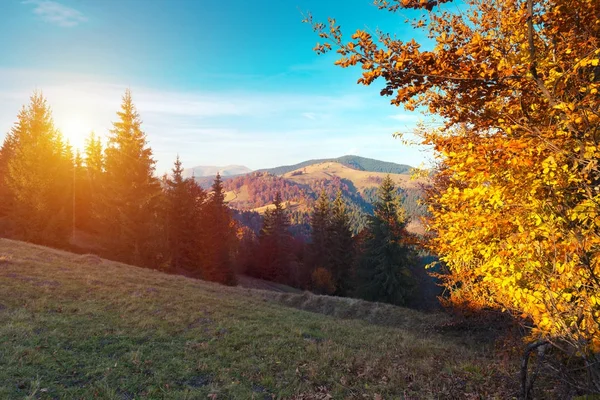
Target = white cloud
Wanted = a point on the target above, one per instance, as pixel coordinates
(255, 128)
(57, 13)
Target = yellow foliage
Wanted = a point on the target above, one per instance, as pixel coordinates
(515, 206)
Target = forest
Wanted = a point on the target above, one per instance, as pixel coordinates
(53, 195)
(511, 207)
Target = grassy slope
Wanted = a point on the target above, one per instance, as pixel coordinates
(76, 326)
(326, 170)
(359, 178)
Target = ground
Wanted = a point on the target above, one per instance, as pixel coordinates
(78, 326)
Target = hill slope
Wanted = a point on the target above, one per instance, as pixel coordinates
(301, 187)
(75, 326)
(355, 162)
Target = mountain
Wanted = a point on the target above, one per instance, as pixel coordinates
(211, 171)
(299, 188)
(354, 162)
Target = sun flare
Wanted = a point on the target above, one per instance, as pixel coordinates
(75, 129)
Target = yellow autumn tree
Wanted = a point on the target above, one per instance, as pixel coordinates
(516, 82)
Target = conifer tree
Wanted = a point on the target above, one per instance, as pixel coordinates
(93, 182)
(320, 225)
(130, 191)
(6, 152)
(94, 159)
(341, 247)
(275, 242)
(38, 176)
(81, 192)
(384, 273)
(185, 201)
(220, 237)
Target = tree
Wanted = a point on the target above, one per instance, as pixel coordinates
(90, 185)
(275, 243)
(185, 205)
(341, 247)
(82, 202)
(384, 270)
(6, 152)
(130, 192)
(221, 237)
(39, 170)
(320, 223)
(516, 83)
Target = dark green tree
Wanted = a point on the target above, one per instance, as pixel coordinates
(320, 230)
(185, 202)
(341, 247)
(275, 243)
(38, 177)
(220, 237)
(130, 195)
(384, 270)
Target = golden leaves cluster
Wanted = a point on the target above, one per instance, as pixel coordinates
(515, 213)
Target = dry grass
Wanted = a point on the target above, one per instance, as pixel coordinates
(360, 179)
(75, 326)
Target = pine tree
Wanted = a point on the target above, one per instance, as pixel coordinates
(384, 273)
(94, 159)
(6, 153)
(92, 183)
(220, 234)
(38, 177)
(320, 224)
(341, 247)
(130, 195)
(81, 190)
(275, 243)
(185, 201)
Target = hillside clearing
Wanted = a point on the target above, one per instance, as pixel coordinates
(360, 179)
(74, 326)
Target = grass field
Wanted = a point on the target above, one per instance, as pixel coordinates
(76, 326)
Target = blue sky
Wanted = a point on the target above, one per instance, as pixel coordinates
(217, 82)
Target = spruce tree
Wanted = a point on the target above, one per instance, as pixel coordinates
(320, 225)
(93, 182)
(81, 201)
(220, 237)
(275, 243)
(129, 202)
(6, 152)
(384, 273)
(185, 200)
(38, 177)
(341, 247)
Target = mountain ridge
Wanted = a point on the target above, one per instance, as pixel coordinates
(356, 162)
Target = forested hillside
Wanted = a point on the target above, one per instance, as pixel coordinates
(300, 188)
(355, 162)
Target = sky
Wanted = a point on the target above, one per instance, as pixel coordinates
(216, 82)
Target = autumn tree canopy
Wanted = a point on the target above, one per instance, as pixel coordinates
(516, 84)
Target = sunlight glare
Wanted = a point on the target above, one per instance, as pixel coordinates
(75, 129)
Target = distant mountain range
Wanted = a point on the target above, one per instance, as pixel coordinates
(354, 162)
(300, 185)
(252, 192)
(211, 171)
(206, 174)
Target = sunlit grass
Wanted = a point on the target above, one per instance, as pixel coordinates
(75, 326)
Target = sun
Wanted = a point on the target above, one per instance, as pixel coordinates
(75, 130)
